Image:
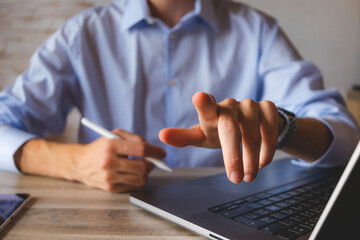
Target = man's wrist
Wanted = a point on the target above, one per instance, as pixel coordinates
(22, 156)
(41, 157)
(17, 158)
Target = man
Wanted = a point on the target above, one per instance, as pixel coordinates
(137, 64)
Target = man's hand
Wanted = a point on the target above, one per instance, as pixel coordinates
(103, 163)
(230, 124)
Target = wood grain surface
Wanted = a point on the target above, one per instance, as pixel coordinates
(68, 210)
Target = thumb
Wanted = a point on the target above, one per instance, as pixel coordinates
(181, 137)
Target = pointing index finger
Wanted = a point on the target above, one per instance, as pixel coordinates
(206, 107)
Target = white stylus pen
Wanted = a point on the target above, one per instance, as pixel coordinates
(106, 133)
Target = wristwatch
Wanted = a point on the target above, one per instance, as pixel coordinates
(290, 126)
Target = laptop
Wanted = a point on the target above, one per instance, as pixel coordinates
(285, 201)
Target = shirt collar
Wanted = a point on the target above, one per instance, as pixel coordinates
(137, 11)
(206, 10)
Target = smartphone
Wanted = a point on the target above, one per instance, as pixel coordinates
(10, 206)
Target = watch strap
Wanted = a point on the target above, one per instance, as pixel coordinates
(289, 129)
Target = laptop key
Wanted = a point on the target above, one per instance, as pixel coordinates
(273, 208)
(279, 215)
(252, 215)
(289, 211)
(232, 207)
(274, 228)
(307, 203)
(316, 209)
(221, 207)
(299, 198)
(263, 195)
(308, 195)
(263, 211)
(275, 199)
(291, 201)
(265, 202)
(283, 204)
(238, 202)
(255, 205)
(308, 213)
(252, 223)
(286, 234)
(309, 224)
(287, 187)
(236, 212)
(301, 230)
(226, 205)
(251, 199)
(268, 219)
(284, 196)
(216, 209)
(298, 217)
(289, 222)
(316, 200)
(298, 207)
(300, 190)
(292, 193)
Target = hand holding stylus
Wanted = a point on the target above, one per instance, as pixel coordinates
(105, 133)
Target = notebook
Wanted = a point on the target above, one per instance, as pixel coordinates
(285, 201)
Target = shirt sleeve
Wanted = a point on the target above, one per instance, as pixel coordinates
(297, 85)
(40, 99)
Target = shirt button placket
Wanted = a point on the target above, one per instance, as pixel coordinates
(169, 88)
(172, 83)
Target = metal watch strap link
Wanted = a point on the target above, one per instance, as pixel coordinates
(289, 128)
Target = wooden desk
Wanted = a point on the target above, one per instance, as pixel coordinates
(68, 210)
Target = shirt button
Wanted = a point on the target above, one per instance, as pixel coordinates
(172, 82)
(150, 21)
(171, 36)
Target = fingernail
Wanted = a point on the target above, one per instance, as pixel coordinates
(212, 98)
(235, 177)
(248, 178)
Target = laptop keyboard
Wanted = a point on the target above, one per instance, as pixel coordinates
(289, 211)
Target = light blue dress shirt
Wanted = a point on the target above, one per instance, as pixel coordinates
(124, 69)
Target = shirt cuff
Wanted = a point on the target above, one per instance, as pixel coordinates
(340, 150)
(10, 141)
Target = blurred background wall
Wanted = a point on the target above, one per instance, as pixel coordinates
(25, 24)
(326, 32)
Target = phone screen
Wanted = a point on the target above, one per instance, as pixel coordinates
(10, 205)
